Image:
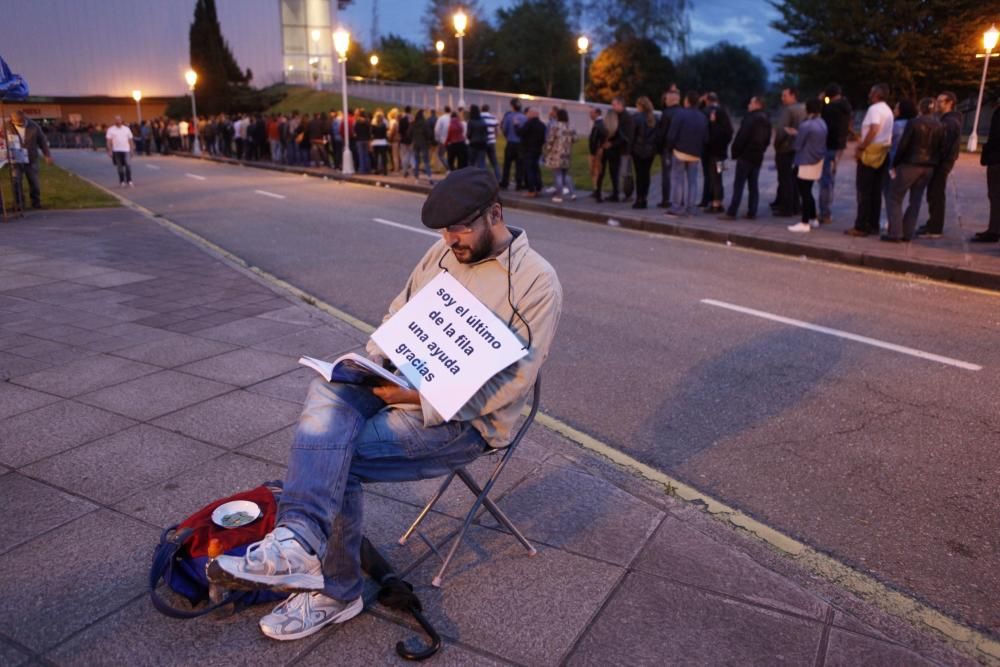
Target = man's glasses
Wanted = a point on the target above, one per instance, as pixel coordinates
(466, 227)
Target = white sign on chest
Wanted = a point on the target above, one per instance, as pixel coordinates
(447, 343)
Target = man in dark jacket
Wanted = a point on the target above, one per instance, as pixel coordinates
(616, 148)
(951, 122)
(720, 133)
(793, 112)
(32, 139)
(918, 152)
(595, 146)
(990, 159)
(837, 116)
(748, 149)
(688, 135)
(532, 135)
(671, 103)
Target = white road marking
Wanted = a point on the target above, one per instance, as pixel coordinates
(196, 177)
(269, 194)
(846, 334)
(151, 166)
(408, 228)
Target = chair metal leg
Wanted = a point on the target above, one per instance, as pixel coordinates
(427, 508)
(436, 582)
(493, 509)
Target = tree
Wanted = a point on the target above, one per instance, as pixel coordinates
(663, 21)
(481, 70)
(630, 68)
(218, 73)
(535, 47)
(918, 47)
(731, 71)
(402, 60)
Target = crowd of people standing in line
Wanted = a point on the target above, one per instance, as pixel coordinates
(909, 149)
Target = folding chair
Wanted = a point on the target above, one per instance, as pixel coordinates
(482, 494)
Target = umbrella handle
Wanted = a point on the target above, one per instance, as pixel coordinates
(422, 654)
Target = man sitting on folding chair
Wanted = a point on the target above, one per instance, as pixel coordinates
(350, 434)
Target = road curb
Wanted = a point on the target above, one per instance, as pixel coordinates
(967, 639)
(942, 272)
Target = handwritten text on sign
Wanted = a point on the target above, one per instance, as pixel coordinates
(447, 343)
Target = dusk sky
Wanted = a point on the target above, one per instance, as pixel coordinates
(743, 22)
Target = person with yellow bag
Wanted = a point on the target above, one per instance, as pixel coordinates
(873, 161)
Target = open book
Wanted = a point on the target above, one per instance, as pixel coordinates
(355, 369)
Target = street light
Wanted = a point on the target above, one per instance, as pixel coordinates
(990, 38)
(582, 44)
(439, 45)
(341, 42)
(461, 21)
(315, 34)
(374, 61)
(192, 78)
(137, 96)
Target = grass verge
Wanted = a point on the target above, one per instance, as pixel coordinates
(60, 189)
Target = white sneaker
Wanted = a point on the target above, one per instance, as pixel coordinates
(799, 227)
(131, 184)
(278, 562)
(549, 190)
(557, 199)
(565, 191)
(304, 614)
(814, 224)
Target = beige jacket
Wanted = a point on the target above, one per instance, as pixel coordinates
(537, 294)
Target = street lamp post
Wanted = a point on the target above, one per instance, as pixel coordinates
(461, 21)
(314, 61)
(374, 61)
(341, 42)
(582, 44)
(439, 45)
(137, 96)
(192, 78)
(990, 38)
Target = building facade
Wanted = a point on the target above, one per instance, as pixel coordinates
(108, 48)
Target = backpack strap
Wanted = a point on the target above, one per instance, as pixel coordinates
(170, 543)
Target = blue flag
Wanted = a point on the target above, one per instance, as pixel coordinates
(12, 86)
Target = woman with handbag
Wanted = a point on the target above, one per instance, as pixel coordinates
(557, 154)
(810, 150)
(644, 148)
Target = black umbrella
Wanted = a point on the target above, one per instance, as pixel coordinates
(398, 594)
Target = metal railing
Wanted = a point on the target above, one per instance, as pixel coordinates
(426, 96)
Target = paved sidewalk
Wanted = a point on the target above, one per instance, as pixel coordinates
(950, 258)
(143, 377)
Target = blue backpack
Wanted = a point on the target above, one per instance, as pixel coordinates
(183, 554)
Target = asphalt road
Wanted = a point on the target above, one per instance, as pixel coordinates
(880, 456)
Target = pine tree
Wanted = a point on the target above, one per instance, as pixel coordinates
(210, 55)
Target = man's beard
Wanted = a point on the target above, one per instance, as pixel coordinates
(474, 253)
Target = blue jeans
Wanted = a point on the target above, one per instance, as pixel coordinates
(491, 155)
(684, 182)
(746, 174)
(563, 181)
(421, 154)
(364, 164)
(346, 436)
(827, 182)
(29, 171)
